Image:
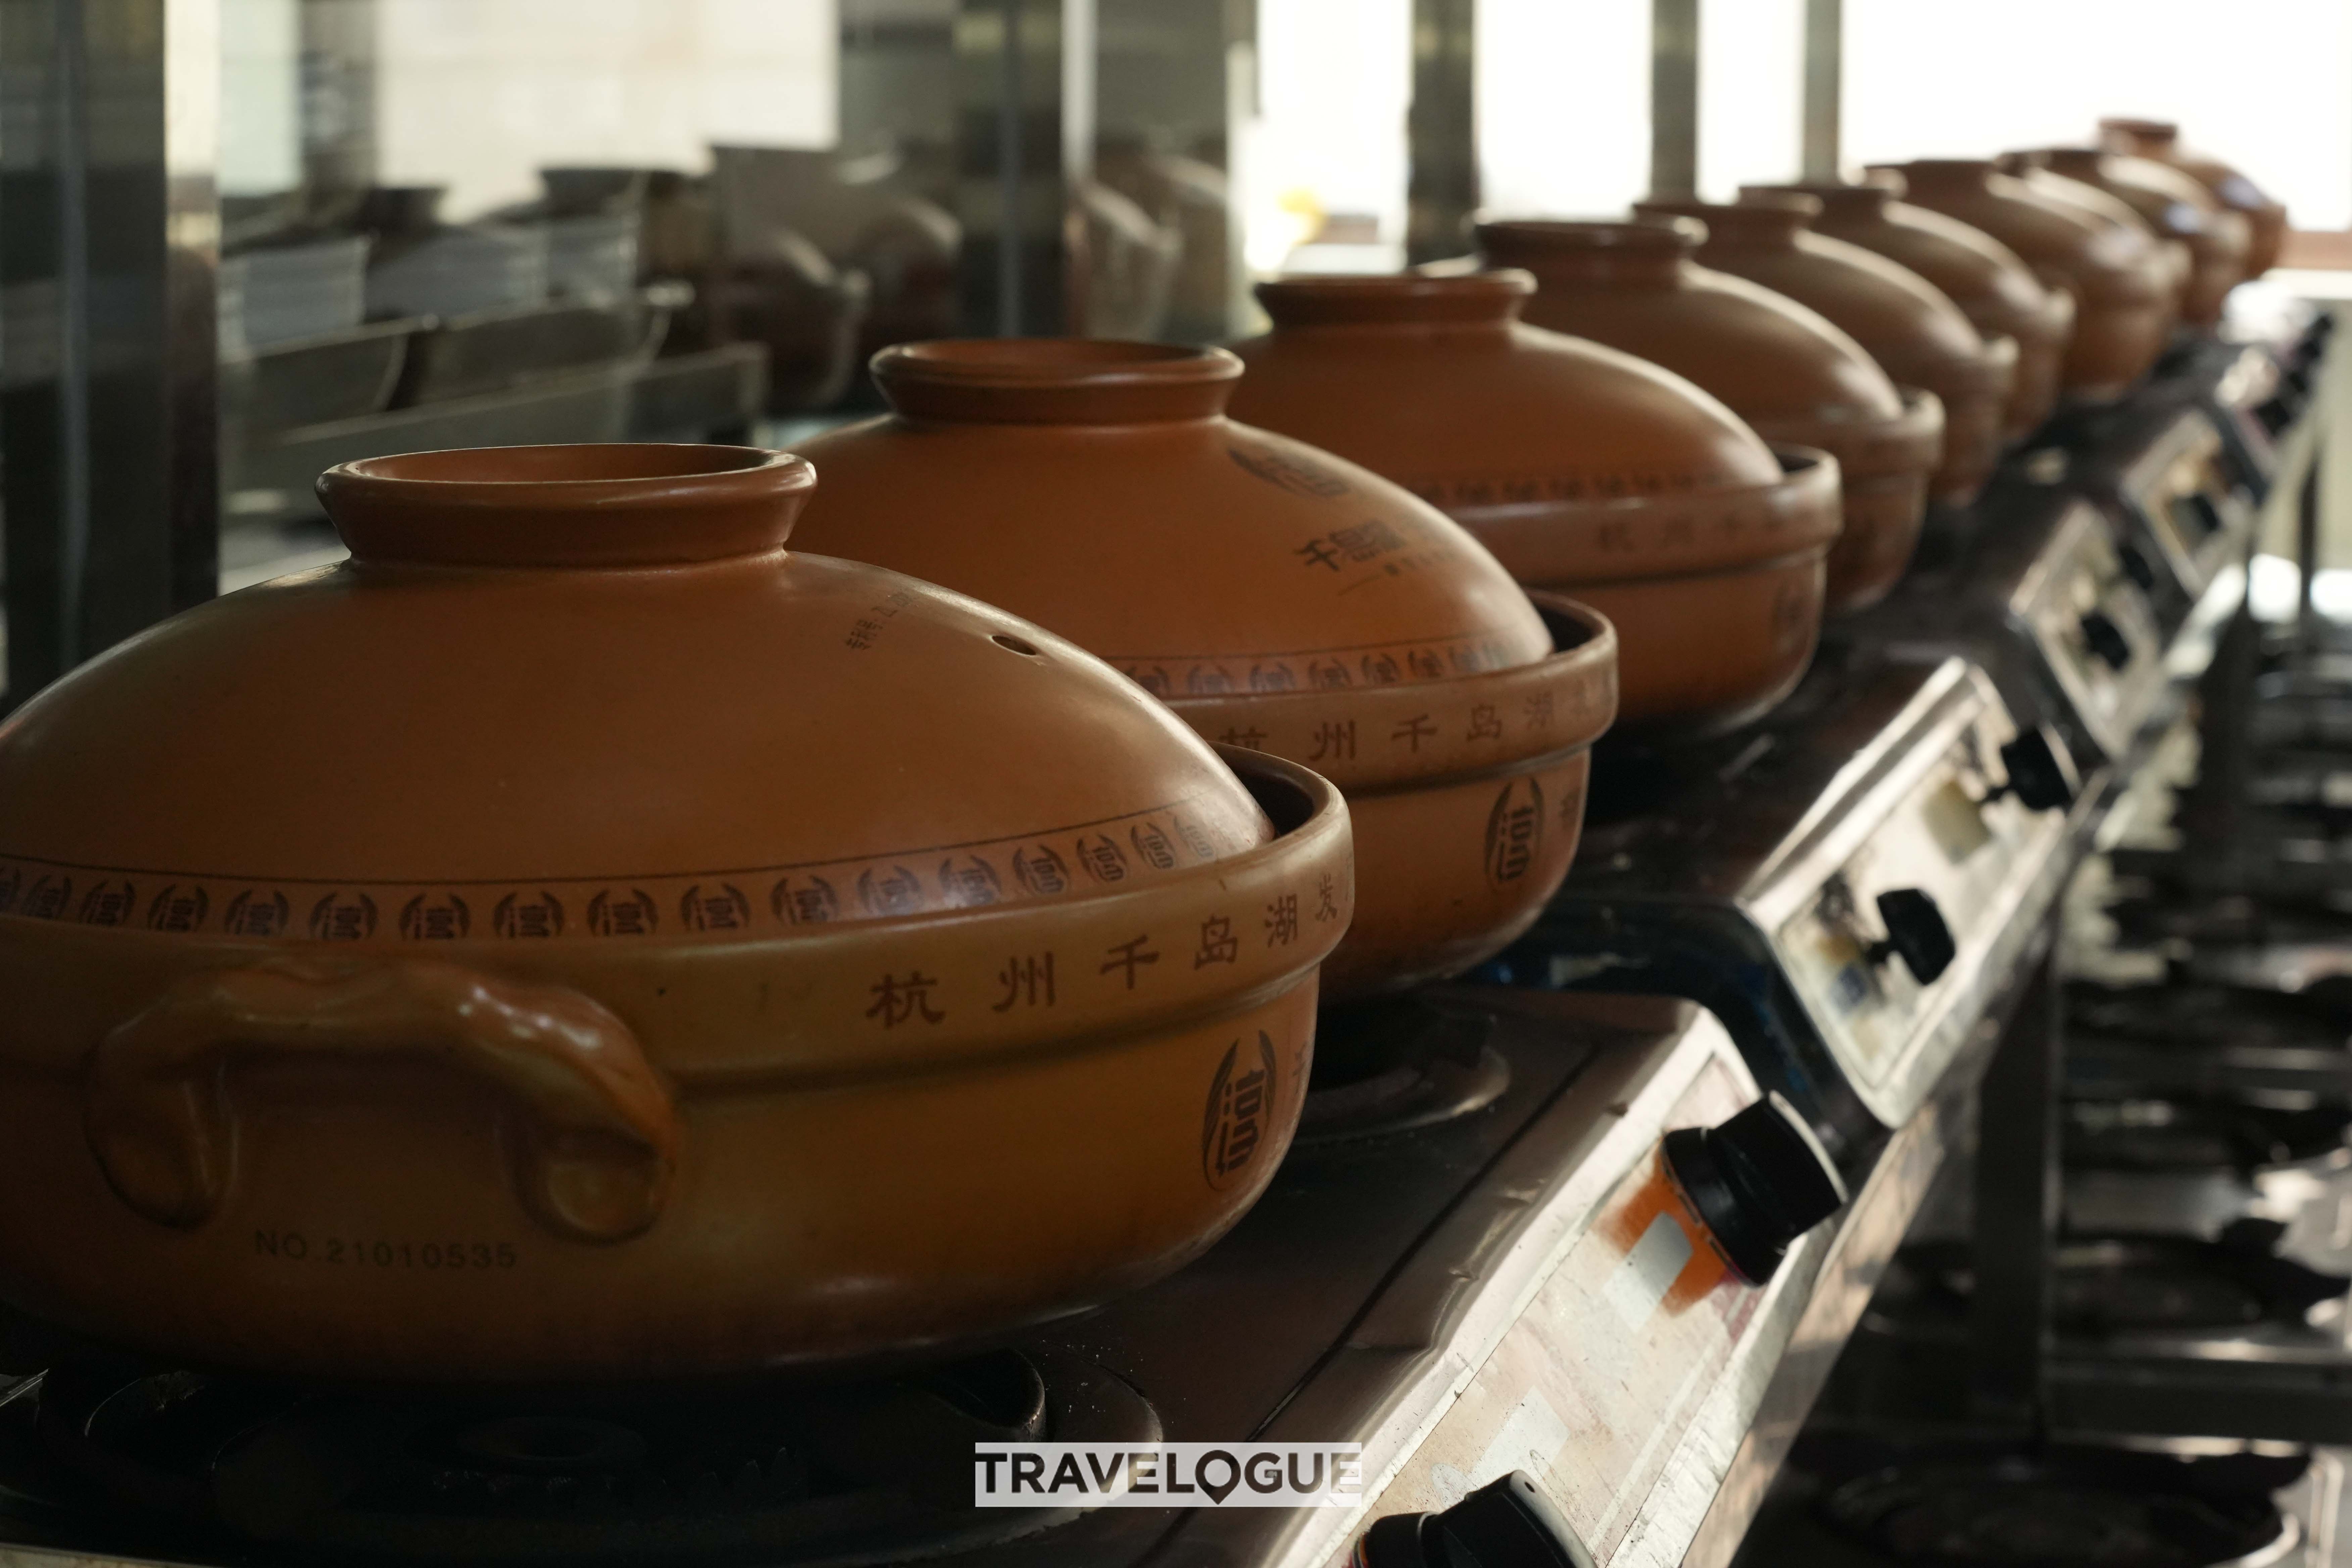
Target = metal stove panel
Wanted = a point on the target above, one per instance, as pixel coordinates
(1766, 912)
(2093, 631)
(1983, 866)
(1554, 1325)
(2182, 499)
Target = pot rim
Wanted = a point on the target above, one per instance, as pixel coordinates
(1524, 242)
(2159, 131)
(1865, 448)
(1868, 195)
(1054, 381)
(1490, 296)
(1694, 532)
(1428, 733)
(831, 971)
(585, 504)
(1778, 214)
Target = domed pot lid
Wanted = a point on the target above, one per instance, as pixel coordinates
(1603, 425)
(1978, 272)
(2106, 254)
(1786, 369)
(581, 700)
(1275, 568)
(1910, 326)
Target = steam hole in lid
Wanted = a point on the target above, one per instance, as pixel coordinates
(1017, 645)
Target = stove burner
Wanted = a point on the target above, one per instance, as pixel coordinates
(2195, 1016)
(868, 1473)
(2107, 1285)
(2199, 1135)
(1395, 1063)
(1853, 1501)
(2052, 1511)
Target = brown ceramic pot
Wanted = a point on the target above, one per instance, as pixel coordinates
(2109, 212)
(2216, 241)
(1995, 290)
(2160, 140)
(578, 940)
(1917, 334)
(1275, 597)
(1785, 369)
(1585, 470)
(2124, 286)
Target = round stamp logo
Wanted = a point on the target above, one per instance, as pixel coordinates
(1514, 829)
(1241, 1100)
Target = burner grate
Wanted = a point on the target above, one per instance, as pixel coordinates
(868, 1473)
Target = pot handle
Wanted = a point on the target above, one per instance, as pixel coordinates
(600, 1132)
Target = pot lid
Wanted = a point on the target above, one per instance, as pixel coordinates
(586, 690)
(1494, 401)
(1634, 287)
(1198, 555)
(1911, 327)
(2107, 254)
(1978, 273)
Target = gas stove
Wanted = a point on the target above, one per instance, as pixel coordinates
(2184, 499)
(1474, 1285)
(1863, 1502)
(1850, 885)
(2053, 606)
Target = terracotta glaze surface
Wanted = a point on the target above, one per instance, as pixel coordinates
(1585, 471)
(2217, 241)
(1992, 286)
(1277, 597)
(2160, 140)
(578, 938)
(2124, 283)
(1785, 369)
(2109, 212)
(1910, 327)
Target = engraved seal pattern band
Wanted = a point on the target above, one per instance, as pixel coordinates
(1367, 738)
(857, 996)
(1567, 543)
(1864, 449)
(728, 903)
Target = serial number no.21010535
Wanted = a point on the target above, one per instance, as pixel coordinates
(340, 1251)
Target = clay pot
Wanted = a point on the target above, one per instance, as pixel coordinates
(578, 940)
(2123, 287)
(2217, 241)
(2160, 140)
(1584, 469)
(1276, 597)
(1917, 334)
(2108, 212)
(1783, 368)
(1996, 291)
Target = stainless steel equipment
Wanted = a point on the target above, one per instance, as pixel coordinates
(1851, 887)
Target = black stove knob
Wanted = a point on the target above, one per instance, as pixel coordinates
(2106, 639)
(1916, 930)
(1759, 1181)
(2041, 775)
(2135, 566)
(1507, 1524)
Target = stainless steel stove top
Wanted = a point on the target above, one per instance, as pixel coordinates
(1765, 885)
